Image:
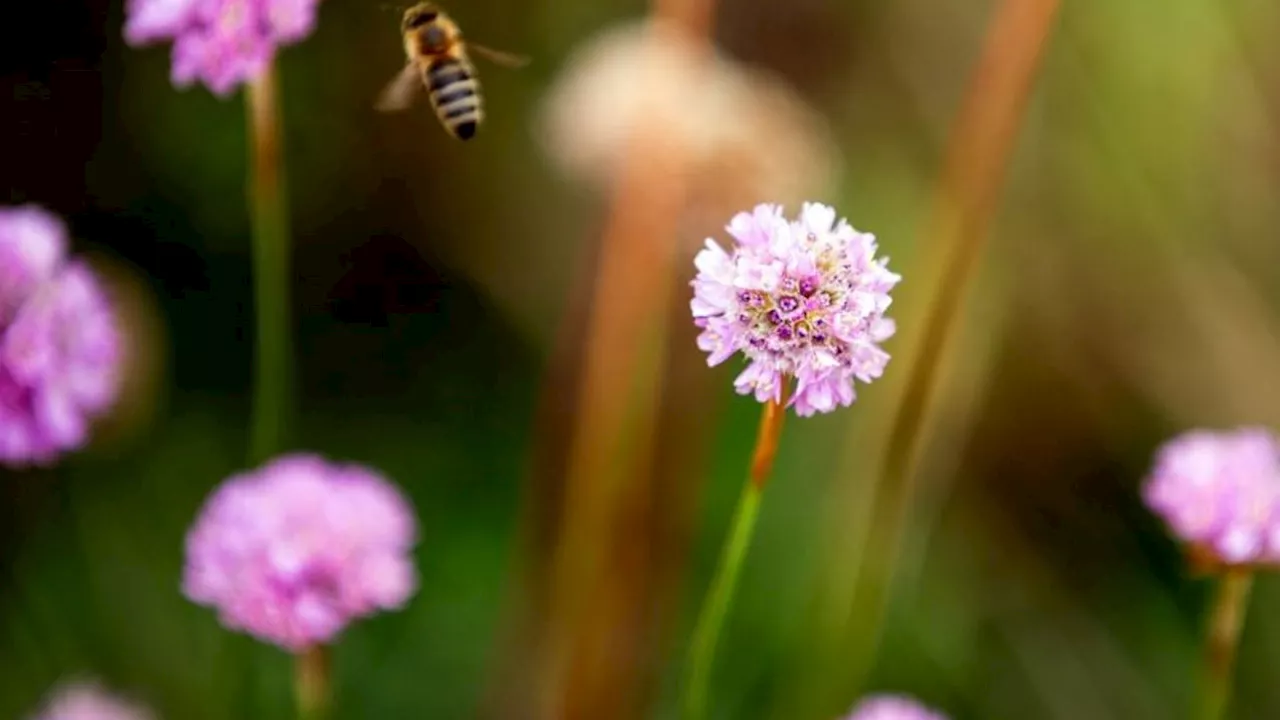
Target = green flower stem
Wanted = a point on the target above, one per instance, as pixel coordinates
(1223, 636)
(311, 682)
(716, 604)
(270, 225)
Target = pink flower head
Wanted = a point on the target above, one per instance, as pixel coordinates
(60, 348)
(1220, 493)
(892, 707)
(222, 43)
(804, 299)
(294, 550)
(88, 701)
(33, 243)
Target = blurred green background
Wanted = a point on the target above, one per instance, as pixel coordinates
(1128, 292)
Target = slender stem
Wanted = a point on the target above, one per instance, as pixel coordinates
(270, 224)
(616, 406)
(716, 605)
(767, 439)
(311, 682)
(981, 143)
(1223, 636)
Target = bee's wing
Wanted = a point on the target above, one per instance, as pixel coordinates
(508, 59)
(399, 93)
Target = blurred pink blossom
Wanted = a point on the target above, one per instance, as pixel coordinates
(293, 551)
(1220, 493)
(892, 707)
(33, 244)
(60, 345)
(88, 701)
(222, 43)
(804, 299)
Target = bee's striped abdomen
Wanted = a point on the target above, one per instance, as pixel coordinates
(455, 95)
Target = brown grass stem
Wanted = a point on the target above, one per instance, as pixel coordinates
(511, 687)
(978, 151)
(1222, 638)
(615, 416)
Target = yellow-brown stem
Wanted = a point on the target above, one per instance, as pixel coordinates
(636, 269)
(1226, 618)
(978, 151)
(767, 436)
(311, 682)
(637, 255)
(511, 687)
(264, 123)
(270, 225)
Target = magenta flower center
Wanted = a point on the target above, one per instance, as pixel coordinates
(318, 580)
(798, 316)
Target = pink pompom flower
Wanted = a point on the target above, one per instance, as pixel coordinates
(1219, 492)
(60, 344)
(802, 299)
(293, 551)
(222, 43)
(88, 701)
(892, 707)
(33, 245)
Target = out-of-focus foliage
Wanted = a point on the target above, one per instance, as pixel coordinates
(1128, 292)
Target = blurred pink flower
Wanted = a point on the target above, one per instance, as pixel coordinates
(222, 43)
(88, 701)
(804, 299)
(60, 346)
(295, 550)
(33, 243)
(892, 707)
(1220, 493)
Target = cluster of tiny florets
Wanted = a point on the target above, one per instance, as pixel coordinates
(222, 43)
(295, 550)
(1219, 492)
(803, 299)
(60, 349)
(892, 707)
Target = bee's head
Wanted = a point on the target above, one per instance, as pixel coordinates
(420, 15)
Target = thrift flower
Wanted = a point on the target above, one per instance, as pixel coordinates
(893, 707)
(293, 551)
(60, 348)
(1219, 492)
(87, 701)
(222, 43)
(32, 246)
(804, 299)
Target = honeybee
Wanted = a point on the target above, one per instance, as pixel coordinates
(438, 61)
